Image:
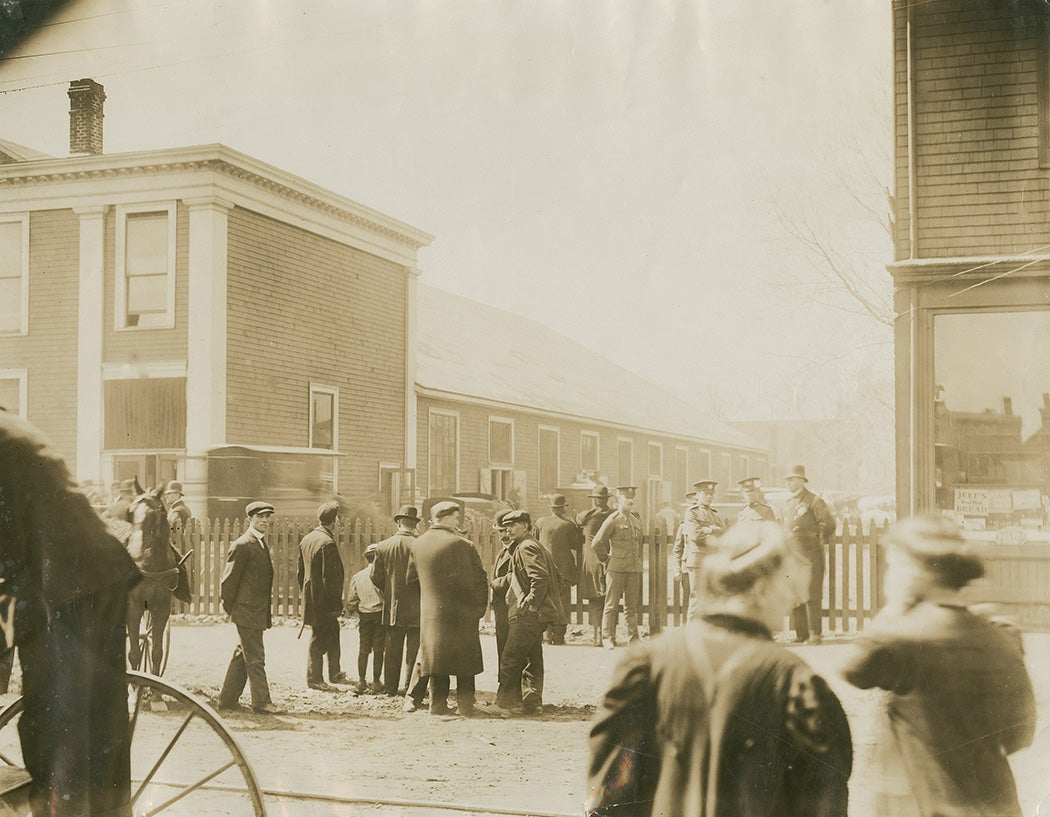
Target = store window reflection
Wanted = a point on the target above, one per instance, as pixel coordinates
(992, 422)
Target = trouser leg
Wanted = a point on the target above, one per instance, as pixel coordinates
(439, 687)
(799, 617)
(815, 605)
(525, 632)
(502, 628)
(236, 676)
(632, 604)
(686, 584)
(392, 658)
(532, 676)
(614, 588)
(334, 649)
(255, 664)
(556, 632)
(415, 681)
(158, 602)
(378, 648)
(695, 595)
(465, 696)
(368, 624)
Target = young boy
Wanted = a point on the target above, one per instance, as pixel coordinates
(366, 600)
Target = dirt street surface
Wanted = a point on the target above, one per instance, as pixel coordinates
(337, 745)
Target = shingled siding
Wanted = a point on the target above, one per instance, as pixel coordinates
(305, 309)
(49, 351)
(980, 190)
(474, 450)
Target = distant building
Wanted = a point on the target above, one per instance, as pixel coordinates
(155, 306)
(512, 408)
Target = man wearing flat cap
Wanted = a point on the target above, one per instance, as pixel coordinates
(703, 525)
(618, 544)
(754, 510)
(563, 539)
(453, 596)
(320, 573)
(810, 526)
(246, 590)
(500, 583)
(533, 603)
(591, 585)
(401, 612)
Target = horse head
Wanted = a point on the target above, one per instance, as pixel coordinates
(150, 534)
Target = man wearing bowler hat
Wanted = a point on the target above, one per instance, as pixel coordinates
(618, 544)
(703, 524)
(178, 512)
(401, 612)
(754, 510)
(563, 539)
(320, 573)
(811, 526)
(246, 590)
(591, 585)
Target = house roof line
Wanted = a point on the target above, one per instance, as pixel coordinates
(442, 394)
(222, 159)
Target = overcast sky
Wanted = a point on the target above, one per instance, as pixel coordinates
(612, 169)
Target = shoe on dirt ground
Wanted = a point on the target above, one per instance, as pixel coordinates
(321, 686)
(410, 705)
(341, 678)
(503, 711)
(268, 709)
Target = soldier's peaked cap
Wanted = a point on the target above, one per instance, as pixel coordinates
(705, 484)
(750, 482)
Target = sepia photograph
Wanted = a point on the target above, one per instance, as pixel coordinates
(526, 409)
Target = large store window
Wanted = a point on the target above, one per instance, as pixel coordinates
(992, 421)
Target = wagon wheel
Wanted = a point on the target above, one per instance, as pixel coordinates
(146, 645)
(184, 761)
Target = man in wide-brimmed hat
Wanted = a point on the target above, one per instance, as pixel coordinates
(401, 613)
(811, 526)
(563, 539)
(591, 585)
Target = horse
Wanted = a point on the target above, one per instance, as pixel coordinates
(149, 544)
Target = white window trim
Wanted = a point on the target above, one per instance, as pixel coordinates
(684, 448)
(745, 461)
(22, 376)
(137, 370)
(122, 213)
(557, 453)
(710, 465)
(648, 459)
(442, 413)
(630, 466)
(726, 457)
(597, 450)
(22, 218)
(505, 421)
(318, 388)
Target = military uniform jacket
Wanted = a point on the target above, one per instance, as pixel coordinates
(808, 520)
(246, 587)
(702, 524)
(390, 575)
(619, 542)
(320, 573)
(564, 541)
(759, 512)
(453, 595)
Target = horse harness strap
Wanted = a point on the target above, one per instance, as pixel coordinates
(163, 577)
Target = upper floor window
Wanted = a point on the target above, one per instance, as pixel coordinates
(14, 275)
(146, 267)
(13, 391)
(501, 440)
(324, 417)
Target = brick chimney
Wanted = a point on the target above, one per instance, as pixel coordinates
(85, 117)
(1008, 407)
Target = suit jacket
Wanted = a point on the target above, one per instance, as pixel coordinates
(246, 587)
(390, 575)
(534, 586)
(320, 573)
(808, 520)
(500, 583)
(564, 541)
(453, 595)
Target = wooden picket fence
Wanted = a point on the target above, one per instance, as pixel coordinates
(852, 584)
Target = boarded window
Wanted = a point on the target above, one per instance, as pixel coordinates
(146, 414)
(501, 441)
(624, 462)
(12, 276)
(146, 269)
(443, 444)
(548, 460)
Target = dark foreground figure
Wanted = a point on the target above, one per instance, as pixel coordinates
(716, 720)
(71, 581)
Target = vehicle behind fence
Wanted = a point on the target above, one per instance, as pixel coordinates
(852, 585)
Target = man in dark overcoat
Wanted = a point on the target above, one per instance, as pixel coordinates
(811, 526)
(320, 574)
(564, 541)
(591, 586)
(453, 595)
(500, 583)
(71, 582)
(246, 589)
(401, 611)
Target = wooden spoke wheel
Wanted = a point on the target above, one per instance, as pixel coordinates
(146, 645)
(184, 761)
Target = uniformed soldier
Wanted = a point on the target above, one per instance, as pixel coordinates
(703, 524)
(681, 575)
(619, 546)
(755, 509)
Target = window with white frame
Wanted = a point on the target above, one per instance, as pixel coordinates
(589, 454)
(324, 416)
(549, 459)
(14, 275)
(13, 391)
(501, 440)
(443, 452)
(624, 461)
(681, 473)
(745, 467)
(146, 267)
(727, 468)
(656, 460)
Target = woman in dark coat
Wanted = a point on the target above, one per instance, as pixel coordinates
(716, 720)
(959, 696)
